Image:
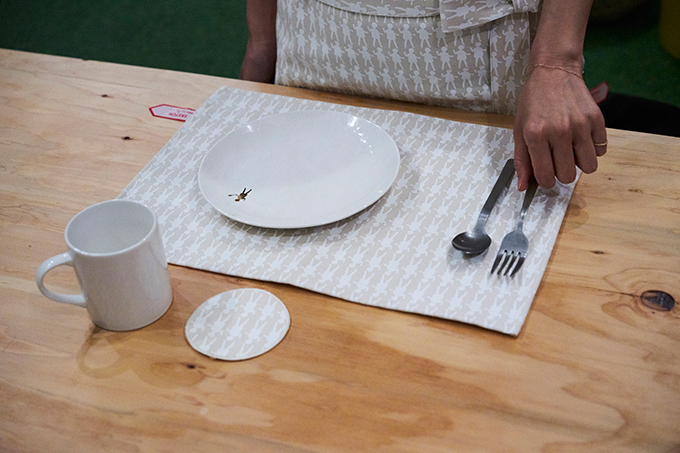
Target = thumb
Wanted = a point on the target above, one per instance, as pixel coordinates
(522, 164)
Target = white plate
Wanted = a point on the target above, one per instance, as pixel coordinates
(299, 169)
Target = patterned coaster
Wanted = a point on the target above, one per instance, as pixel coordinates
(238, 324)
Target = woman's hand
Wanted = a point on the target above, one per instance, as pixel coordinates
(259, 63)
(557, 127)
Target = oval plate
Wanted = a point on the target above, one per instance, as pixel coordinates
(299, 169)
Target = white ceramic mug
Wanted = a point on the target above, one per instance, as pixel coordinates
(116, 250)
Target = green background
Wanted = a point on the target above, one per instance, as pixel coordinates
(209, 37)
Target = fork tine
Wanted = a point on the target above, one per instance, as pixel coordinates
(501, 260)
(512, 258)
(507, 262)
(520, 261)
(514, 246)
(499, 256)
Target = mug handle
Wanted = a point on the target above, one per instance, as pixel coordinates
(65, 259)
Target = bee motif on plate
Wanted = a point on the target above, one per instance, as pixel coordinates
(240, 196)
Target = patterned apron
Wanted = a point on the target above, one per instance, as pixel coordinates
(466, 54)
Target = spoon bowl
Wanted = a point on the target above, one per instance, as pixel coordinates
(472, 242)
(477, 241)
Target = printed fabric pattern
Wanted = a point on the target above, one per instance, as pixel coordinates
(397, 253)
(462, 54)
(462, 14)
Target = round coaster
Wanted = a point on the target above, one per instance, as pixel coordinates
(238, 324)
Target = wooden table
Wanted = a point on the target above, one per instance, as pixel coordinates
(592, 370)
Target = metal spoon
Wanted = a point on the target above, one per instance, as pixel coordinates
(477, 241)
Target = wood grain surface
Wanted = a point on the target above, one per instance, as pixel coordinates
(593, 370)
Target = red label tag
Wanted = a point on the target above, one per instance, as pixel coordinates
(600, 92)
(171, 112)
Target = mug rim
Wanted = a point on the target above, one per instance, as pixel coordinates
(146, 237)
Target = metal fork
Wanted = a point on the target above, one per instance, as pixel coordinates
(514, 247)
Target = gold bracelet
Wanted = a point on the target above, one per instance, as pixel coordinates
(580, 76)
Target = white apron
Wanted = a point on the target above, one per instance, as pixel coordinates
(466, 54)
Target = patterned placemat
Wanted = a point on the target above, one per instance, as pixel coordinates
(396, 254)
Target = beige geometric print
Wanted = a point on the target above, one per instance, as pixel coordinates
(397, 253)
(238, 324)
(457, 53)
